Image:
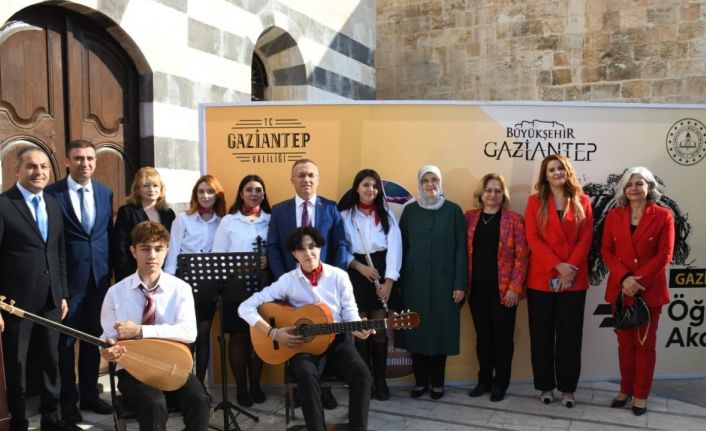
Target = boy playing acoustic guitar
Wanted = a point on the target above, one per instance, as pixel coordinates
(311, 283)
(157, 305)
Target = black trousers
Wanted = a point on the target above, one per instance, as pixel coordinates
(84, 315)
(342, 358)
(429, 370)
(556, 330)
(495, 328)
(150, 404)
(16, 339)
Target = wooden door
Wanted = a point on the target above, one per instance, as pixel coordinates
(62, 77)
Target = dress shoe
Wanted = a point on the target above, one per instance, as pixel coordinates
(98, 406)
(639, 411)
(568, 402)
(497, 394)
(437, 393)
(547, 397)
(243, 398)
(71, 414)
(328, 401)
(382, 392)
(58, 425)
(479, 390)
(616, 403)
(418, 391)
(257, 395)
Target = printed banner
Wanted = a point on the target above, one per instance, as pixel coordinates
(467, 141)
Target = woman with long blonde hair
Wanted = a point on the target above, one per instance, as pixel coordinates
(559, 229)
(147, 201)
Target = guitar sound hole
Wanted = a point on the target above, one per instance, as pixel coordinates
(304, 329)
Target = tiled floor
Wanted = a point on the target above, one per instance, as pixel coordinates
(521, 410)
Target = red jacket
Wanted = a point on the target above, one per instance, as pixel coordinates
(512, 251)
(564, 240)
(645, 253)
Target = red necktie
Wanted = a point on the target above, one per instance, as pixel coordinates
(150, 310)
(305, 214)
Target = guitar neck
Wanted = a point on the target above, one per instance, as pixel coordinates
(310, 330)
(59, 327)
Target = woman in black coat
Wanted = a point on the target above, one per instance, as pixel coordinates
(147, 201)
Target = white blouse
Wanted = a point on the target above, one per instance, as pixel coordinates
(190, 234)
(375, 239)
(237, 234)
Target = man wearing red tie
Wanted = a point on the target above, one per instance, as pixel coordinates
(164, 307)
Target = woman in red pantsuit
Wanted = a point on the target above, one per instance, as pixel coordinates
(559, 229)
(637, 246)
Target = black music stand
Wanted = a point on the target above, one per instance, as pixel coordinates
(222, 277)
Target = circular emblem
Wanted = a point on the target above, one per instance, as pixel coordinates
(685, 142)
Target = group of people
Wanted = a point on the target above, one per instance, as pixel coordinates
(59, 250)
(545, 257)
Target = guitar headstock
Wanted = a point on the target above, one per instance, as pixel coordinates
(10, 308)
(405, 320)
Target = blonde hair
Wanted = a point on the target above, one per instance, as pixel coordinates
(480, 189)
(143, 175)
(572, 190)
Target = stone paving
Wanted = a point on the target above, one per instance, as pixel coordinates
(521, 410)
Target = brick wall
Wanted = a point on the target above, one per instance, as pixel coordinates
(552, 50)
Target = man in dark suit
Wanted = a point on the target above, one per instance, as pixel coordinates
(87, 210)
(32, 264)
(306, 209)
(318, 212)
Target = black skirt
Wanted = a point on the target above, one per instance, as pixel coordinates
(364, 289)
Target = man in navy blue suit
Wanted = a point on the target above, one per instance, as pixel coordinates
(87, 210)
(306, 209)
(318, 212)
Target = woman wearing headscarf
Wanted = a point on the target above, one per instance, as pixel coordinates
(433, 280)
(637, 246)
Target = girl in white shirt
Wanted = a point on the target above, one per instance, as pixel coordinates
(371, 226)
(244, 229)
(193, 232)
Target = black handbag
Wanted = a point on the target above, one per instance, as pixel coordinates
(630, 317)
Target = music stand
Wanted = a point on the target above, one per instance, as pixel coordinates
(222, 277)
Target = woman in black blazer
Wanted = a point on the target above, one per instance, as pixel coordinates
(147, 201)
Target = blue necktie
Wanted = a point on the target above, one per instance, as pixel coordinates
(85, 222)
(41, 214)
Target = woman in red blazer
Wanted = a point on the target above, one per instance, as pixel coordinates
(559, 228)
(637, 246)
(498, 248)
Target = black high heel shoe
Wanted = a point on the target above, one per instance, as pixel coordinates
(639, 411)
(418, 391)
(616, 403)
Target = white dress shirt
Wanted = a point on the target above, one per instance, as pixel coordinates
(237, 234)
(334, 289)
(311, 209)
(28, 196)
(375, 239)
(175, 318)
(190, 234)
(76, 199)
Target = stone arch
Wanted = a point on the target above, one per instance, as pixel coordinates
(284, 64)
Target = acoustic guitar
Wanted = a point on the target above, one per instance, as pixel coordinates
(164, 364)
(315, 323)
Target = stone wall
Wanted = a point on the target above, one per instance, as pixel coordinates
(551, 50)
